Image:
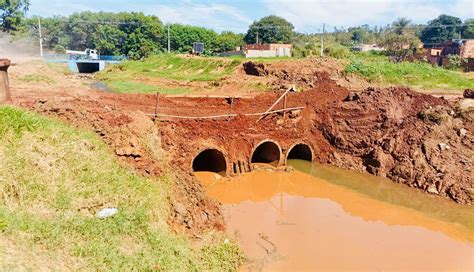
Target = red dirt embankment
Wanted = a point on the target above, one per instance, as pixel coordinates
(412, 138)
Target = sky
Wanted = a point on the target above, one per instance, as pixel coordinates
(236, 15)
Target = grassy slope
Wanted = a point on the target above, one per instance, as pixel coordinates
(378, 69)
(123, 78)
(54, 178)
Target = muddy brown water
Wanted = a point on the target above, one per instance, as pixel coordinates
(329, 219)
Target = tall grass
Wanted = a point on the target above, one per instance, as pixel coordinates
(378, 69)
(54, 179)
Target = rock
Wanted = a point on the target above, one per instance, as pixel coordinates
(468, 93)
(352, 96)
(462, 132)
(443, 146)
(294, 114)
(280, 122)
(432, 190)
(107, 212)
(180, 209)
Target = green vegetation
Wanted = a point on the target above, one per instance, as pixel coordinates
(270, 29)
(36, 78)
(378, 68)
(54, 178)
(123, 77)
(452, 28)
(183, 37)
(12, 13)
(131, 34)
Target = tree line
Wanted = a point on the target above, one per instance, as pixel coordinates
(137, 35)
(131, 34)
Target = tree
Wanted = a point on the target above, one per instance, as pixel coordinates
(358, 34)
(228, 41)
(468, 32)
(400, 25)
(441, 29)
(183, 37)
(270, 29)
(400, 47)
(12, 12)
(131, 34)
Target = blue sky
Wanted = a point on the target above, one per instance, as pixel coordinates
(307, 15)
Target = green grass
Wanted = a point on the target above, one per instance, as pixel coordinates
(54, 179)
(169, 67)
(378, 69)
(61, 68)
(36, 78)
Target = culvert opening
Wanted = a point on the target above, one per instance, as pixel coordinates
(88, 67)
(210, 160)
(267, 152)
(300, 152)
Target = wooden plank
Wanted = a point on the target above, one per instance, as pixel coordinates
(223, 115)
(276, 102)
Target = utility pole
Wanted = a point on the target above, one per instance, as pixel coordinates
(40, 37)
(322, 41)
(257, 36)
(169, 41)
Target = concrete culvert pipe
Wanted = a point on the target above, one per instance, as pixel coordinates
(300, 152)
(267, 152)
(210, 160)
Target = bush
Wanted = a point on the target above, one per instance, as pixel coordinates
(358, 67)
(337, 51)
(455, 62)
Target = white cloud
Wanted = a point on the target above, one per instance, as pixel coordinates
(310, 15)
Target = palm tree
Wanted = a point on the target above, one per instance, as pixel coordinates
(400, 25)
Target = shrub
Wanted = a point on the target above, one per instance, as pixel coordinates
(337, 51)
(455, 62)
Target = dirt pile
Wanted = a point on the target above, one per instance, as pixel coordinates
(406, 136)
(468, 93)
(305, 74)
(409, 137)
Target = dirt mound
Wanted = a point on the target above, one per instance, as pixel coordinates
(406, 136)
(409, 137)
(468, 93)
(305, 74)
(255, 69)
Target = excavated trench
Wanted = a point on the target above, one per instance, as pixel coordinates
(210, 160)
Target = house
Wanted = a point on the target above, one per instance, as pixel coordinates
(433, 55)
(267, 50)
(368, 48)
(463, 48)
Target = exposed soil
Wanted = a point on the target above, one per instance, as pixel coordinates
(304, 74)
(412, 138)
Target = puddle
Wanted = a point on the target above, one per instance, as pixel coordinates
(99, 85)
(339, 220)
